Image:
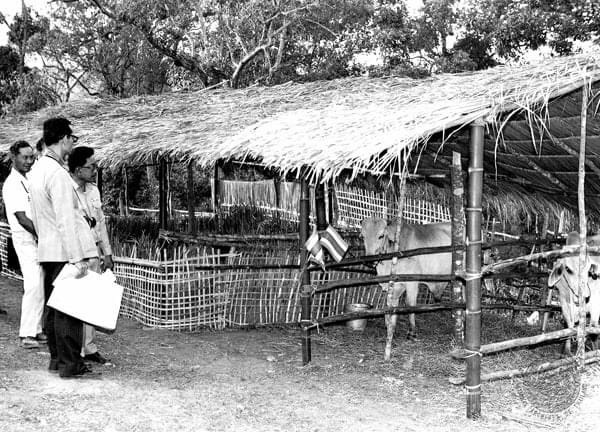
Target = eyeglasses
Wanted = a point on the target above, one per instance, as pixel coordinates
(75, 138)
(92, 167)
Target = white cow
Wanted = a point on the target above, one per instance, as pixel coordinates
(381, 237)
(564, 277)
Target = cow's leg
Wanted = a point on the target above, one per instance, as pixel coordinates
(566, 310)
(395, 290)
(594, 317)
(412, 291)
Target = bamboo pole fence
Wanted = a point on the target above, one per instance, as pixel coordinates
(558, 365)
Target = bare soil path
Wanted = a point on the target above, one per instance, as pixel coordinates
(253, 380)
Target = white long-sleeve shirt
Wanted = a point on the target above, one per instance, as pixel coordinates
(63, 233)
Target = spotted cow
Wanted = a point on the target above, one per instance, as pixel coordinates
(381, 236)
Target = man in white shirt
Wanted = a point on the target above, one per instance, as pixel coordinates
(84, 168)
(64, 237)
(15, 194)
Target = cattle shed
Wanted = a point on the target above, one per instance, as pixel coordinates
(532, 130)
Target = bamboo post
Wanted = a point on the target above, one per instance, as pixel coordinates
(162, 193)
(305, 295)
(331, 203)
(320, 210)
(215, 193)
(99, 184)
(458, 229)
(583, 277)
(277, 184)
(191, 198)
(125, 193)
(473, 271)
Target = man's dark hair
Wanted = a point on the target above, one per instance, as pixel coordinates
(16, 147)
(55, 129)
(79, 156)
(39, 145)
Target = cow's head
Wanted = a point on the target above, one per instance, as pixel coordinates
(378, 235)
(567, 270)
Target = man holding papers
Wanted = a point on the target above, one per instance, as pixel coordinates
(64, 236)
(84, 168)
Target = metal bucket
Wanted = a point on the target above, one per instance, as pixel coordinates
(357, 324)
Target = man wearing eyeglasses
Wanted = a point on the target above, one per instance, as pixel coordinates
(63, 237)
(83, 169)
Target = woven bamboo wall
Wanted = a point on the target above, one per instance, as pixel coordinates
(173, 294)
(262, 194)
(4, 236)
(355, 204)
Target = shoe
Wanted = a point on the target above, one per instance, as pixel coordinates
(29, 342)
(83, 373)
(96, 358)
(41, 338)
(53, 366)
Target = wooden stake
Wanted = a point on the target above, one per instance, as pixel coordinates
(191, 198)
(458, 231)
(162, 194)
(331, 203)
(320, 208)
(473, 271)
(305, 296)
(583, 277)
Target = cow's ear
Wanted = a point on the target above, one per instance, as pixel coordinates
(555, 275)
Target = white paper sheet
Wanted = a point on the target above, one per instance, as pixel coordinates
(94, 298)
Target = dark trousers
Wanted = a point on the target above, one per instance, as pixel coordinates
(64, 332)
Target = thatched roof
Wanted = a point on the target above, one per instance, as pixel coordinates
(359, 123)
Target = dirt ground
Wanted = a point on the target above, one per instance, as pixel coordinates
(253, 380)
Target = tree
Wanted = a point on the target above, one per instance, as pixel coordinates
(22, 89)
(9, 66)
(508, 28)
(242, 41)
(83, 48)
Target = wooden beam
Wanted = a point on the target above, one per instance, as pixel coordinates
(526, 341)
(561, 364)
(589, 163)
(544, 173)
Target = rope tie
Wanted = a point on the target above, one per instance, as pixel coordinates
(473, 209)
(472, 353)
(472, 276)
(473, 390)
(474, 169)
(470, 312)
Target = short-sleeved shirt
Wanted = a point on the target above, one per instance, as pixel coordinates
(15, 194)
(91, 203)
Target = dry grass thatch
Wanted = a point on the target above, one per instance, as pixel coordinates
(360, 123)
